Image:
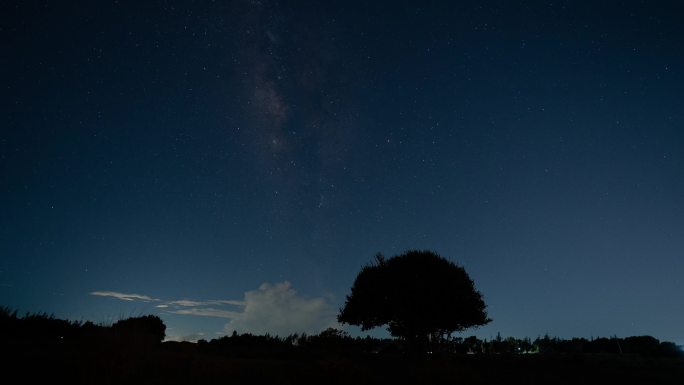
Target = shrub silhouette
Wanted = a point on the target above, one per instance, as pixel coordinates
(421, 296)
(35, 328)
(147, 329)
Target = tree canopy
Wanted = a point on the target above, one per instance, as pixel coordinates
(419, 295)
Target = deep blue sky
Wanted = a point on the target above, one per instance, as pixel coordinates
(197, 150)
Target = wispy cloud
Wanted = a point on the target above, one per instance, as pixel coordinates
(228, 302)
(166, 304)
(124, 296)
(193, 303)
(186, 302)
(202, 308)
(207, 312)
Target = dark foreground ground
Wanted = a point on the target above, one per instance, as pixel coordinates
(182, 364)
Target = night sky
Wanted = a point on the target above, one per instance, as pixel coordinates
(232, 165)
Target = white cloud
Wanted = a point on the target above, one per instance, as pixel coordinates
(166, 304)
(207, 312)
(278, 309)
(189, 338)
(227, 302)
(186, 302)
(124, 296)
(192, 303)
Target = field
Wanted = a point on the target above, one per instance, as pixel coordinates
(183, 364)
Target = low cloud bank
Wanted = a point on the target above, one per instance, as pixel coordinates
(274, 308)
(279, 309)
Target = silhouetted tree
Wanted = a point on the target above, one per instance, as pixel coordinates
(148, 329)
(419, 295)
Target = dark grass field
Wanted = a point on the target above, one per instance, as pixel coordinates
(174, 364)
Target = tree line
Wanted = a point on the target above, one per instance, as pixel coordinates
(635, 345)
(340, 342)
(40, 330)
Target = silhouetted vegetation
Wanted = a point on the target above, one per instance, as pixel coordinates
(337, 342)
(420, 296)
(145, 330)
(40, 347)
(46, 330)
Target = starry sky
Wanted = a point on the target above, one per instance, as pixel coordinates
(231, 165)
